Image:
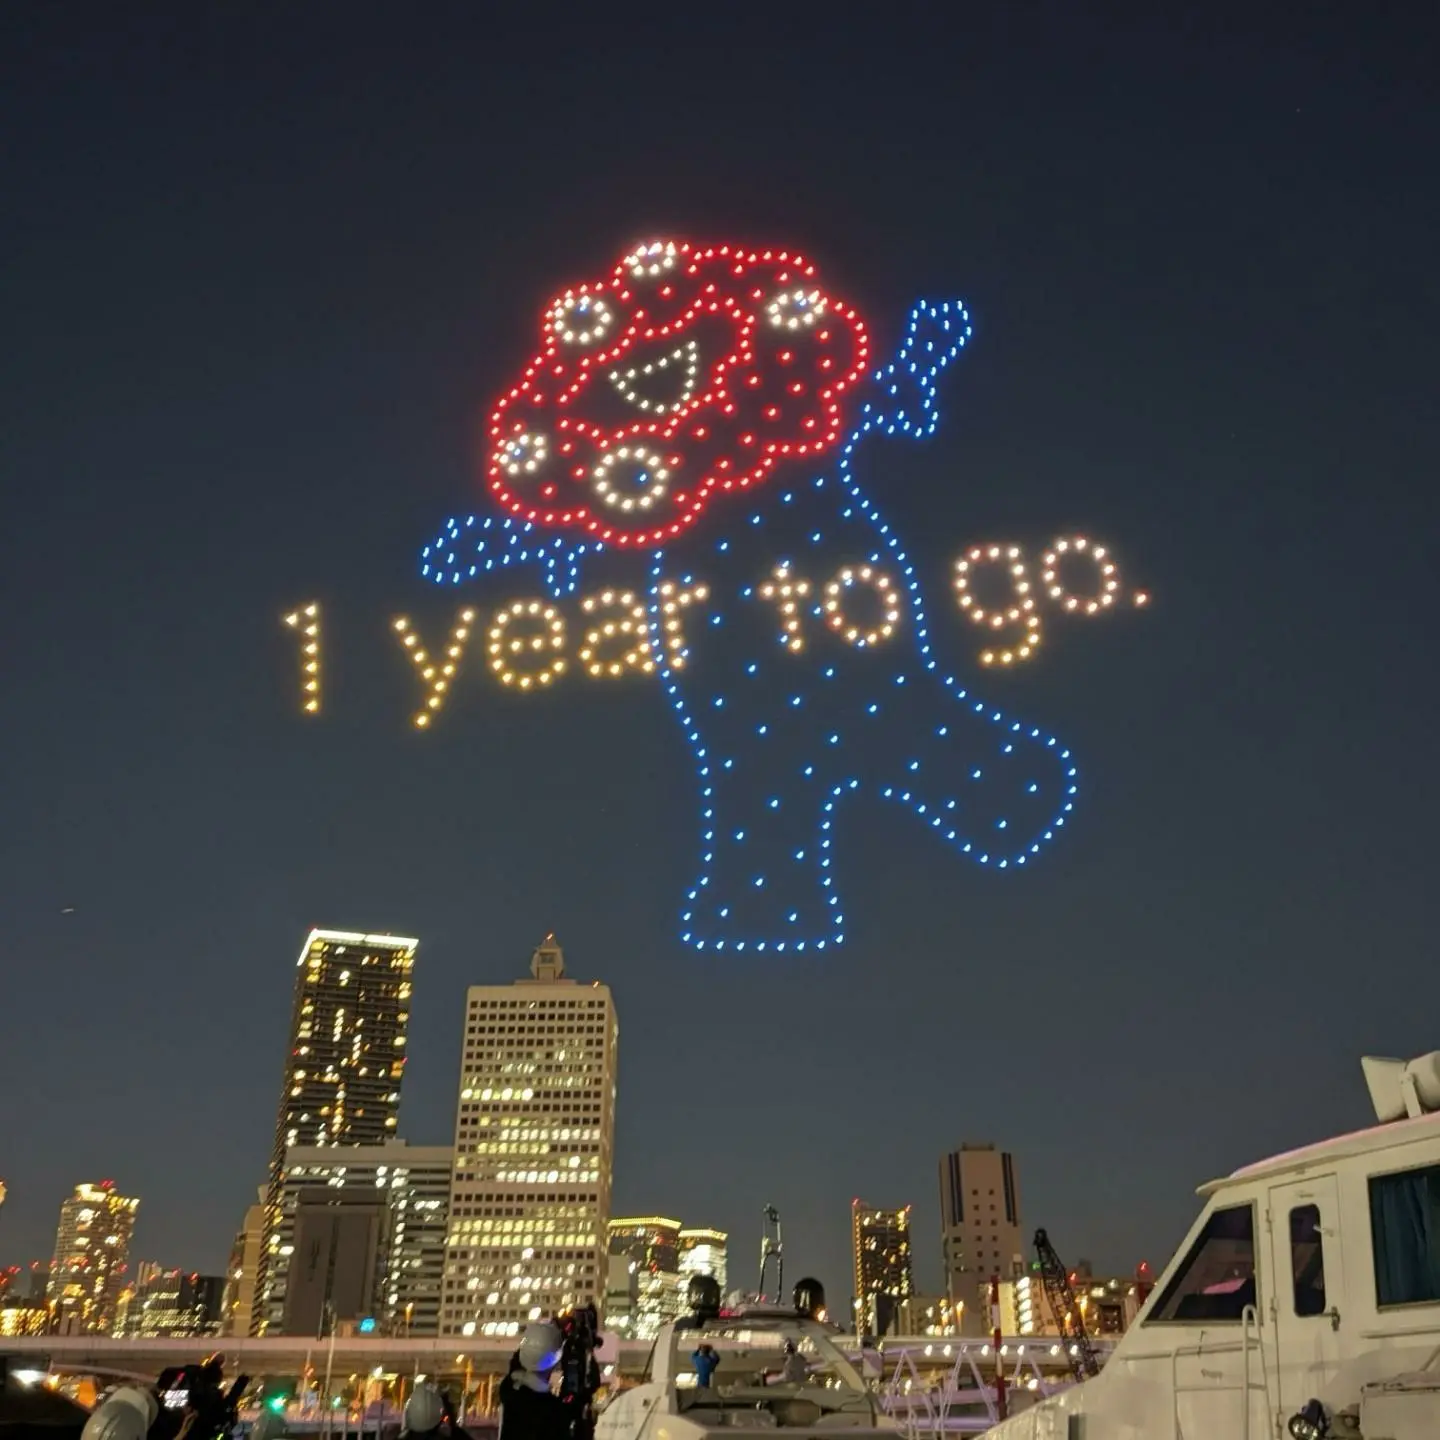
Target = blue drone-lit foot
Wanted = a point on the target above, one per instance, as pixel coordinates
(797, 654)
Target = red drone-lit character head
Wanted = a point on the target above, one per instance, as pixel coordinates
(687, 375)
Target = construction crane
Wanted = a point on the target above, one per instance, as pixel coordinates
(772, 1247)
(1084, 1363)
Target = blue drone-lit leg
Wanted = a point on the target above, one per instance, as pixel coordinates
(804, 675)
(765, 805)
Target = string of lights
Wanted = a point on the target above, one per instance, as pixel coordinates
(306, 623)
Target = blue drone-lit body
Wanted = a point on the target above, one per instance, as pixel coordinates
(801, 670)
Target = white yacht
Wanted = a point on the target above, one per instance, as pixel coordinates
(1304, 1302)
(772, 1368)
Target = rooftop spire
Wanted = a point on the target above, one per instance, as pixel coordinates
(548, 961)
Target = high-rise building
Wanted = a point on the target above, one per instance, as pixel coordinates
(925, 1315)
(389, 1263)
(980, 1229)
(239, 1301)
(880, 1248)
(703, 1252)
(344, 1064)
(170, 1303)
(651, 1246)
(39, 1280)
(534, 1147)
(92, 1254)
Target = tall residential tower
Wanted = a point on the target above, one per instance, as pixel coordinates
(979, 1227)
(344, 1065)
(92, 1255)
(880, 1247)
(534, 1146)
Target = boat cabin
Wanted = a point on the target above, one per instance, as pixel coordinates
(1306, 1293)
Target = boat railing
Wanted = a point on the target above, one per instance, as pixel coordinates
(1251, 1343)
(962, 1400)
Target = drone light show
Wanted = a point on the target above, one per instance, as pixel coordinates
(673, 501)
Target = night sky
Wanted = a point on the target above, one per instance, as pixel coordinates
(262, 276)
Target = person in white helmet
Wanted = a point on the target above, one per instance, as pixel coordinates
(144, 1401)
(528, 1411)
(428, 1413)
(116, 1419)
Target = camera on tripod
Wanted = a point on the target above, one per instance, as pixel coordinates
(194, 1402)
(579, 1370)
(579, 1335)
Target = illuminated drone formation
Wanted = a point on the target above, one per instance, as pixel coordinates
(683, 408)
(684, 378)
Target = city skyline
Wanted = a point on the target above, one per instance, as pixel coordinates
(326, 970)
(261, 312)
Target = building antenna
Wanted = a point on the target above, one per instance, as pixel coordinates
(772, 1247)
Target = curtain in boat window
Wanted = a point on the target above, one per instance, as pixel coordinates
(1405, 1231)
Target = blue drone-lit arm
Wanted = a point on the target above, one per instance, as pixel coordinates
(470, 547)
(903, 399)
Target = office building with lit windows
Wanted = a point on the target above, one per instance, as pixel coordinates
(650, 1246)
(980, 1229)
(343, 1066)
(362, 1236)
(88, 1275)
(170, 1303)
(534, 1147)
(703, 1252)
(880, 1249)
